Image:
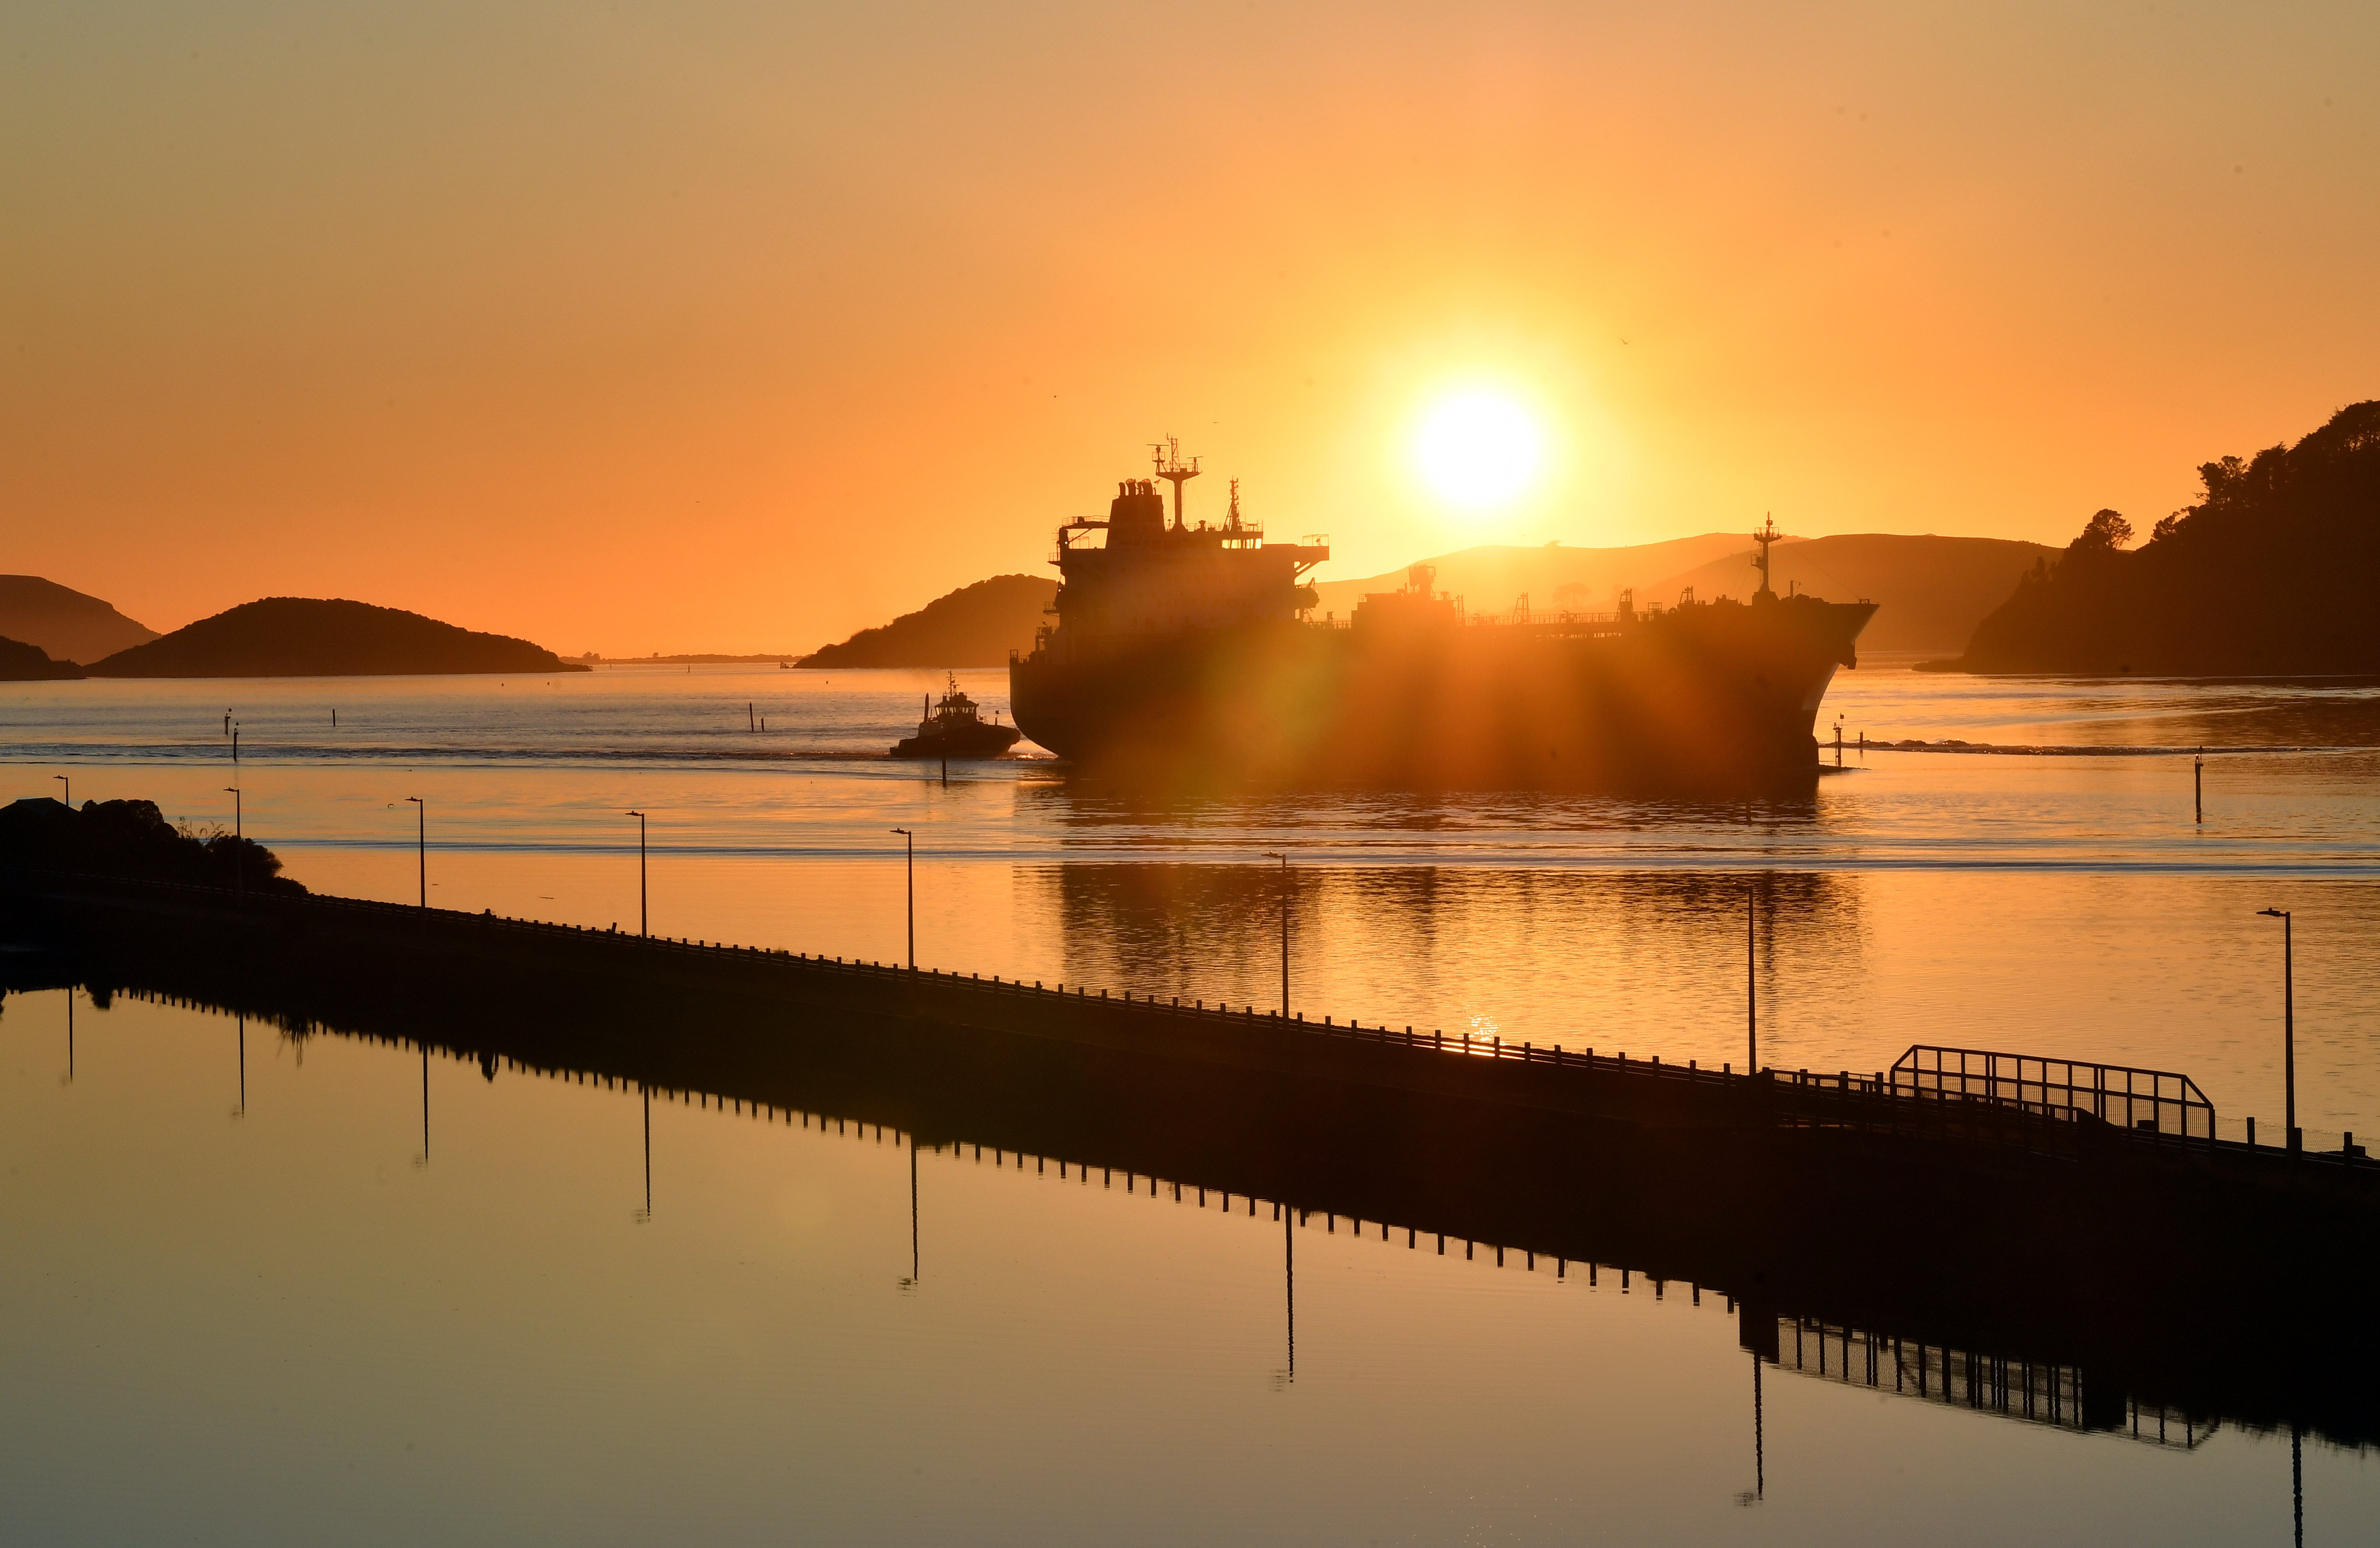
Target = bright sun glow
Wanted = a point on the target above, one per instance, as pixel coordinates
(1479, 449)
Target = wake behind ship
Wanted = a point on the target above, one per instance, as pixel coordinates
(1190, 651)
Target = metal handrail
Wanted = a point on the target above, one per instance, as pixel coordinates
(2129, 1097)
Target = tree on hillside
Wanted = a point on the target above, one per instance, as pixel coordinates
(2105, 532)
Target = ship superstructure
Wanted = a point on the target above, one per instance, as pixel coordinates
(1153, 576)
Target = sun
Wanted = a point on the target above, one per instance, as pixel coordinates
(1479, 449)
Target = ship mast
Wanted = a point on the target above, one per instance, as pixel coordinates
(1170, 467)
(1766, 536)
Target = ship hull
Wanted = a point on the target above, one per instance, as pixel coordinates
(1711, 697)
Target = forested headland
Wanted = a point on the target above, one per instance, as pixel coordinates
(2271, 572)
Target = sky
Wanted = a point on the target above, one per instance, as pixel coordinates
(713, 325)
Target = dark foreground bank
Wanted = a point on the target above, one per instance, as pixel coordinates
(2177, 1276)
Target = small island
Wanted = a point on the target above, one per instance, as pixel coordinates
(974, 626)
(306, 637)
(2269, 574)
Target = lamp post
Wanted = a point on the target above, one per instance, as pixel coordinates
(912, 862)
(2292, 1138)
(644, 918)
(1275, 854)
(422, 844)
(69, 784)
(1752, 980)
(239, 834)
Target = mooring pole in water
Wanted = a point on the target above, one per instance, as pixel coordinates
(425, 1104)
(914, 1275)
(751, 721)
(646, 1092)
(243, 1063)
(2197, 786)
(1274, 854)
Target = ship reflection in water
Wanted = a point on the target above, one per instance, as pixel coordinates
(426, 1283)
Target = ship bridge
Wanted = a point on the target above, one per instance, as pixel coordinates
(1151, 575)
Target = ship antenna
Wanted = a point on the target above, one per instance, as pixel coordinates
(1170, 469)
(1766, 536)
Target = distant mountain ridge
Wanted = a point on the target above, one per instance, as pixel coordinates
(1555, 577)
(67, 624)
(974, 626)
(1931, 591)
(308, 637)
(2269, 574)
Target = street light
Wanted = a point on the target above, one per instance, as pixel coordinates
(2288, 1036)
(1275, 854)
(421, 843)
(644, 924)
(1752, 980)
(913, 895)
(238, 870)
(69, 784)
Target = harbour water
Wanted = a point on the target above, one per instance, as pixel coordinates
(273, 1288)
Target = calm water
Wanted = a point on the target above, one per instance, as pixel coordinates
(263, 1312)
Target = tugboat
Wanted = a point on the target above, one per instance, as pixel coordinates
(954, 730)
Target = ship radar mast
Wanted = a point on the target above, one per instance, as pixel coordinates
(1766, 536)
(1170, 467)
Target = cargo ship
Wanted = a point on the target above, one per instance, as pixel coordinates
(1190, 652)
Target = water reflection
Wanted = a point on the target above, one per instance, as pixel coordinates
(1092, 807)
(1900, 1290)
(1216, 928)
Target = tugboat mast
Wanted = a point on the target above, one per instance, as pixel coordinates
(1766, 536)
(1167, 457)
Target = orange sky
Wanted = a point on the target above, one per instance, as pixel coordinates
(739, 326)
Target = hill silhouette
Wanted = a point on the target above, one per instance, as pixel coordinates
(65, 623)
(974, 626)
(2270, 574)
(306, 637)
(20, 662)
(1555, 577)
(1933, 590)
